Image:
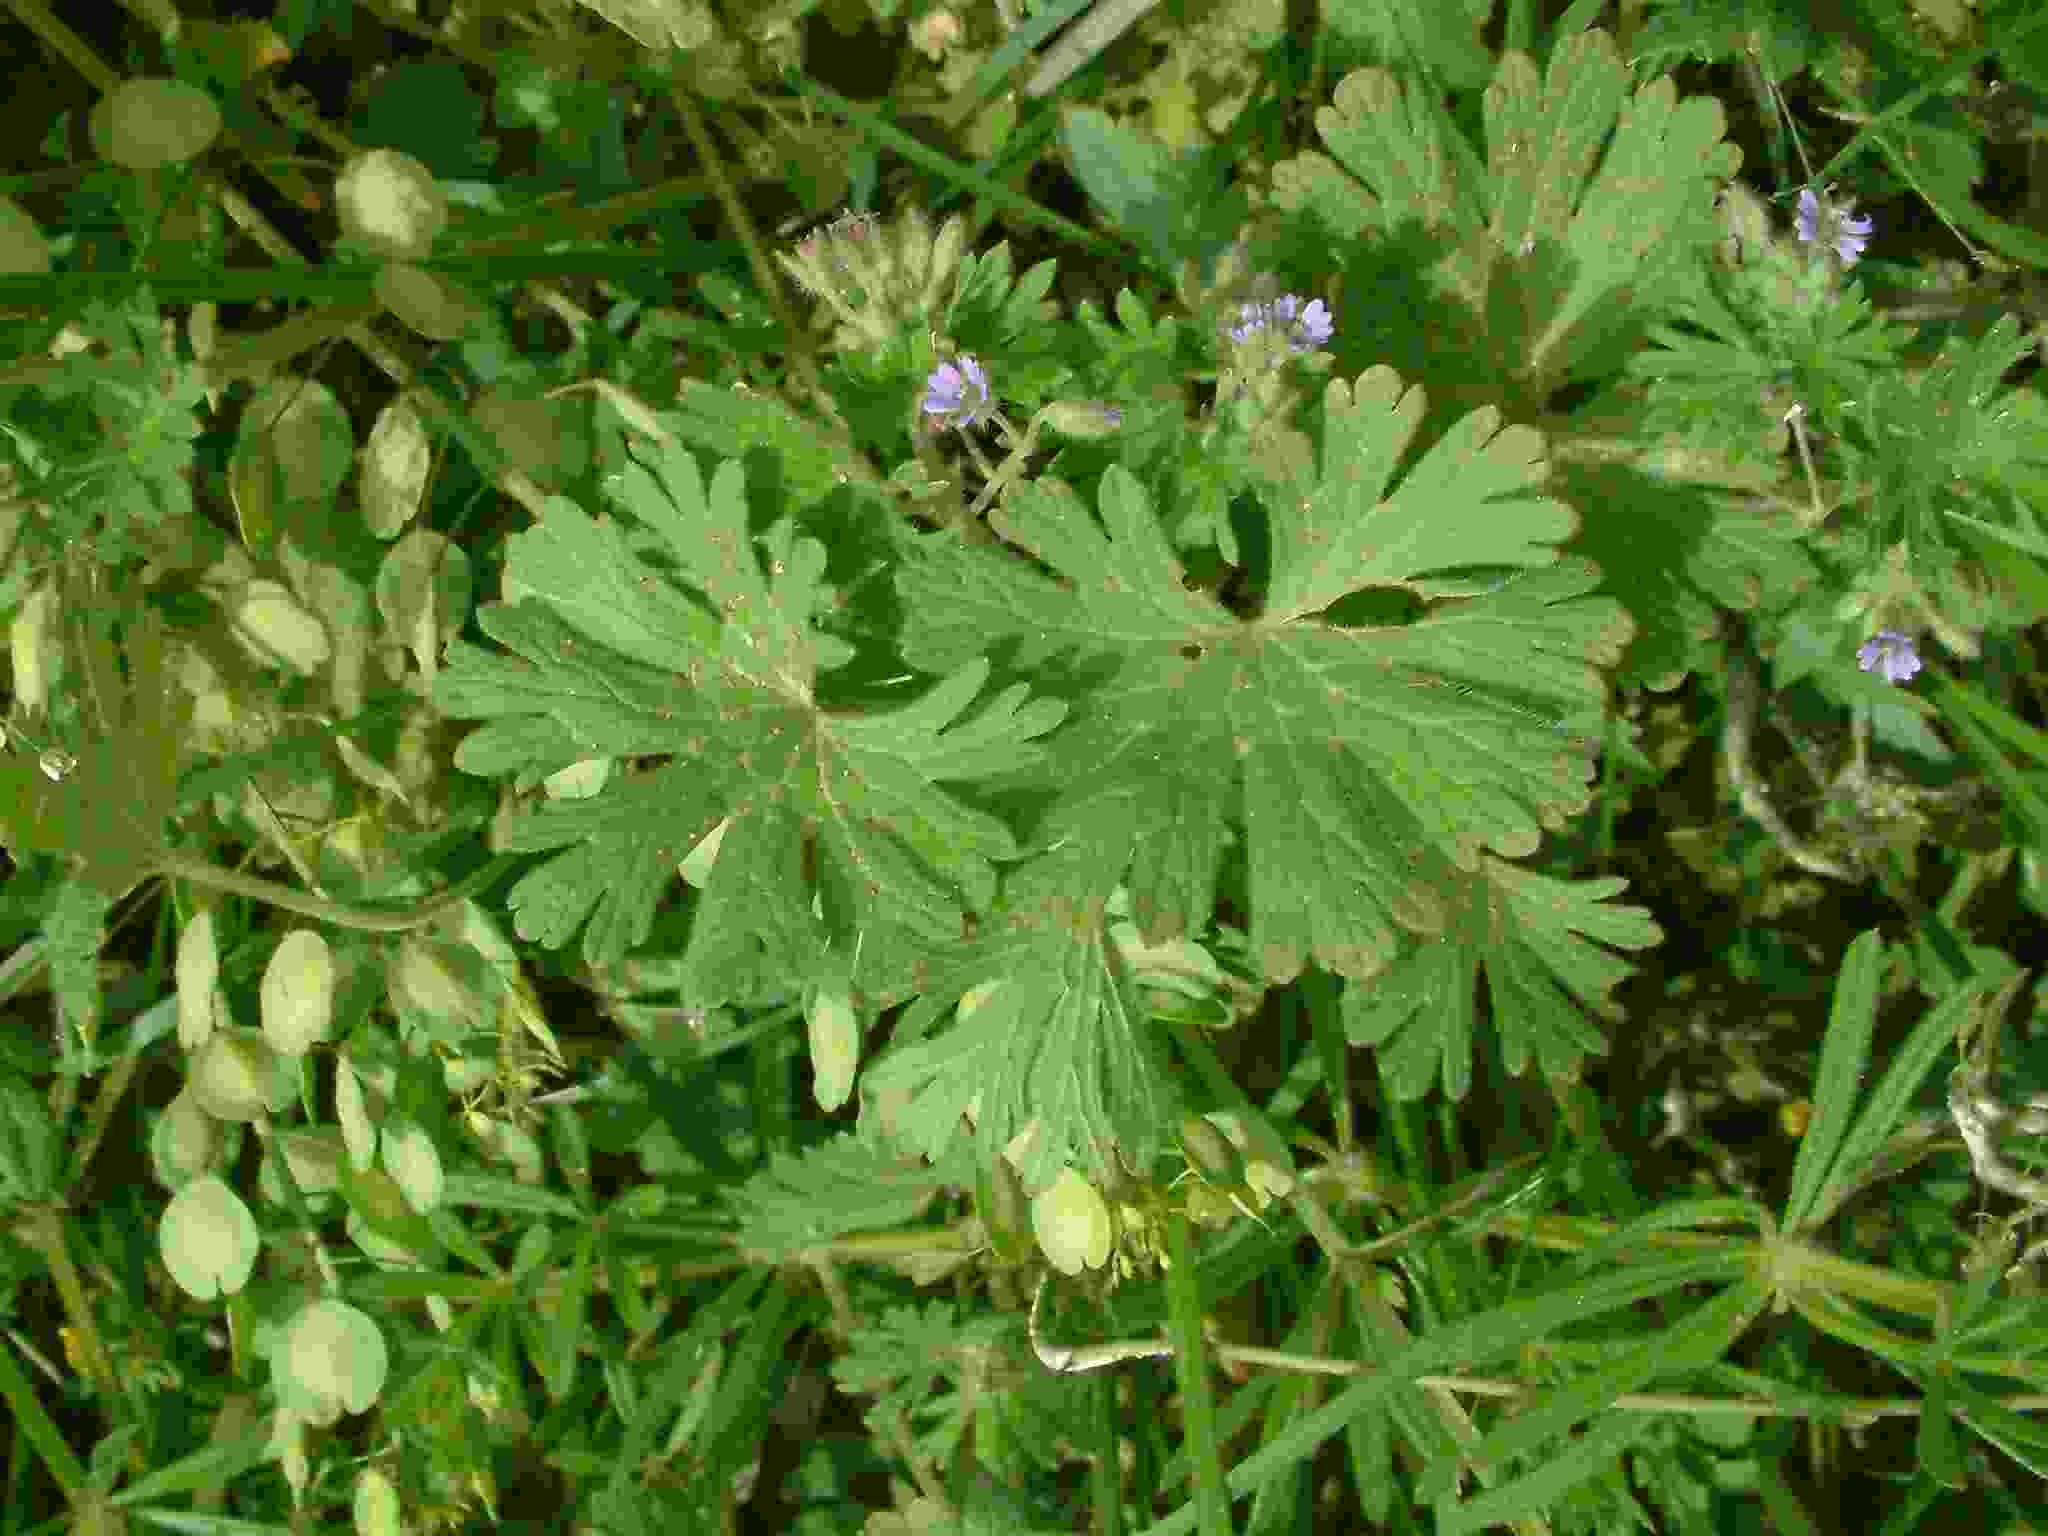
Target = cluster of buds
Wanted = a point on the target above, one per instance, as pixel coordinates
(879, 281)
(1266, 336)
(1116, 1223)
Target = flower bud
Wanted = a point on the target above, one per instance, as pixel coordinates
(1082, 418)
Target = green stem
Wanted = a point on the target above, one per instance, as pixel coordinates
(111, 1089)
(44, 1231)
(365, 919)
(799, 337)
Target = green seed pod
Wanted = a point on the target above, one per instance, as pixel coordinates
(236, 1075)
(1209, 1207)
(835, 1046)
(145, 124)
(208, 1240)
(1269, 1166)
(198, 977)
(314, 1158)
(1072, 1224)
(330, 1359)
(1082, 418)
(1210, 1153)
(376, 1506)
(298, 992)
(1115, 1181)
(391, 203)
(1005, 1211)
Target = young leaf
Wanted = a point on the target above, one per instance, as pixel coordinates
(1177, 204)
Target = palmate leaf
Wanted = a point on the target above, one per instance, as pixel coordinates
(1362, 764)
(836, 836)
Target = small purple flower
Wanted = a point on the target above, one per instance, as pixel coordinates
(1890, 652)
(1315, 323)
(956, 395)
(1832, 226)
(1308, 325)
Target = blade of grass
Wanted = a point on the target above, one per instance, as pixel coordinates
(213, 1466)
(933, 163)
(995, 74)
(1191, 1366)
(35, 1423)
(1788, 1515)
(1960, 66)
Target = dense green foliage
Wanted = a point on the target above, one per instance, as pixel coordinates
(1024, 768)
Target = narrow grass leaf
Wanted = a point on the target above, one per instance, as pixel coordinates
(212, 1466)
(38, 1427)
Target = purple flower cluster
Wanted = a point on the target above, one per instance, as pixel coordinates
(957, 395)
(1828, 225)
(1307, 325)
(1890, 652)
